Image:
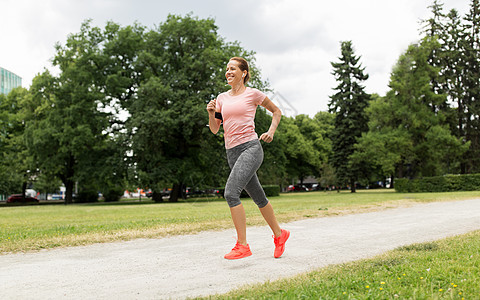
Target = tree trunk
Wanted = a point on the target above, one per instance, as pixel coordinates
(157, 197)
(69, 191)
(24, 190)
(352, 186)
(400, 171)
(463, 165)
(177, 192)
(68, 180)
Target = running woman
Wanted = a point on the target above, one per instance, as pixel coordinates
(237, 107)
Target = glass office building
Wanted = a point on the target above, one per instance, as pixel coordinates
(8, 81)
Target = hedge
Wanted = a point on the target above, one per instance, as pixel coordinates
(86, 196)
(113, 194)
(447, 183)
(270, 191)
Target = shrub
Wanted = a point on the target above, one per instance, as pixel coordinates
(113, 194)
(447, 183)
(270, 191)
(86, 196)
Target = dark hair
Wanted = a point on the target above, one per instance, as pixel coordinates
(243, 65)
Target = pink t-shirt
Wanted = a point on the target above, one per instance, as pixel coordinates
(238, 114)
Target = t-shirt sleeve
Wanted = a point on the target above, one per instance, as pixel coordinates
(259, 97)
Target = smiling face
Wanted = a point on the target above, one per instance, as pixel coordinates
(234, 73)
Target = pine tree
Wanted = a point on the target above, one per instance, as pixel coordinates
(434, 29)
(349, 105)
(471, 79)
(406, 138)
(434, 26)
(452, 67)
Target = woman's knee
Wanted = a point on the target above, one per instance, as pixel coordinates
(262, 203)
(233, 199)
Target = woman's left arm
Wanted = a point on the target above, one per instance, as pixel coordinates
(277, 115)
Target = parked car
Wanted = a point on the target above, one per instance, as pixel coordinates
(297, 188)
(164, 193)
(17, 198)
(192, 192)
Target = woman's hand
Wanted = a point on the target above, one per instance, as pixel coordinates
(277, 115)
(266, 137)
(212, 105)
(213, 124)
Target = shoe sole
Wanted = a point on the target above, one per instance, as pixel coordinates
(233, 258)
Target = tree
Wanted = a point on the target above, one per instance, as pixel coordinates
(349, 105)
(302, 159)
(13, 170)
(183, 65)
(434, 26)
(471, 78)
(314, 130)
(325, 122)
(18, 161)
(436, 29)
(78, 134)
(68, 138)
(273, 169)
(458, 61)
(453, 62)
(407, 138)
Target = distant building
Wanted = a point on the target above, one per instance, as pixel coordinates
(8, 81)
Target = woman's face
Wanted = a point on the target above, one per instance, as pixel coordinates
(233, 73)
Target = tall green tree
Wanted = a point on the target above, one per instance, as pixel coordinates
(435, 28)
(315, 130)
(68, 139)
(183, 65)
(273, 169)
(325, 122)
(78, 134)
(349, 104)
(301, 158)
(453, 67)
(119, 74)
(471, 79)
(458, 61)
(406, 137)
(15, 165)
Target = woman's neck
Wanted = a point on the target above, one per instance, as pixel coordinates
(237, 89)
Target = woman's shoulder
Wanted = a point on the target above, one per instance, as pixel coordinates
(257, 95)
(254, 91)
(221, 96)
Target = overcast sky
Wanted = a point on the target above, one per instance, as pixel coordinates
(295, 40)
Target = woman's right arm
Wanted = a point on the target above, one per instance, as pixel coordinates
(213, 123)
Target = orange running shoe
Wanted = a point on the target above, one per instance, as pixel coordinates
(239, 251)
(280, 243)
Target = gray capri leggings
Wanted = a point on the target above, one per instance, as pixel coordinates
(244, 161)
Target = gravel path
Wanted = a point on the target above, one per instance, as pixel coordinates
(187, 266)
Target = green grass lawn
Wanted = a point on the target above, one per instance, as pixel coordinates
(445, 269)
(35, 227)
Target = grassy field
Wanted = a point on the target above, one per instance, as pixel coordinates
(35, 227)
(445, 269)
